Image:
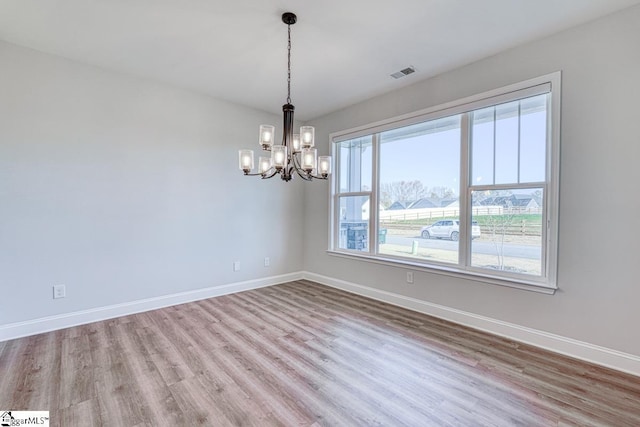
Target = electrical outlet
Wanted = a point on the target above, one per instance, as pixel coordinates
(267, 261)
(59, 291)
(409, 276)
(236, 266)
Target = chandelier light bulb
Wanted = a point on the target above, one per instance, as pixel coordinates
(308, 159)
(246, 160)
(307, 136)
(324, 165)
(264, 164)
(296, 143)
(279, 156)
(267, 135)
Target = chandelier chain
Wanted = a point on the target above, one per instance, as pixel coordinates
(289, 65)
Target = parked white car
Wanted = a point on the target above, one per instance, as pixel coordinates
(448, 229)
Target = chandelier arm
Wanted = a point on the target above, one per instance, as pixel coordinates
(265, 176)
(303, 175)
(257, 174)
(296, 163)
(319, 176)
(310, 176)
(286, 176)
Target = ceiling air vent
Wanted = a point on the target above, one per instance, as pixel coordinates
(402, 73)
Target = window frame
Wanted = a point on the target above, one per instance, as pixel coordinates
(547, 282)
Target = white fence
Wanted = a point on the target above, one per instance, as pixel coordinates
(435, 213)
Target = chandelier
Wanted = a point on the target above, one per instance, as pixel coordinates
(296, 154)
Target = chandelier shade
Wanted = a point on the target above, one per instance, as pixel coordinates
(296, 154)
(267, 135)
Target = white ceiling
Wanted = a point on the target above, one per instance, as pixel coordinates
(343, 50)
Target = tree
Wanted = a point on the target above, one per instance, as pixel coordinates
(441, 193)
(497, 224)
(401, 191)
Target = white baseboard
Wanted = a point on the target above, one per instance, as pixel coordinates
(578, 349)
(52, 323)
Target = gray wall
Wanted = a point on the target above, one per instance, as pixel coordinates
(124, 189)
(600, 147)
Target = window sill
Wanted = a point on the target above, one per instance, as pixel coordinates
(449, 271)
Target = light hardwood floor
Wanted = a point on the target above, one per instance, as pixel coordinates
(302, 354)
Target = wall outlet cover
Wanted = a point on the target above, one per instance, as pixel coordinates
(59, 291)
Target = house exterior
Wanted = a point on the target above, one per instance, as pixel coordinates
(519, 202)
(396, 206)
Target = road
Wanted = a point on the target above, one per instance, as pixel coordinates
(478, 246)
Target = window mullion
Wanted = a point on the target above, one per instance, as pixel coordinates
(519, 137)
(545, 231)
(354, 193)
(374, 206)
(493, 181)
(464, 246)
(507, 186)
(334, 235)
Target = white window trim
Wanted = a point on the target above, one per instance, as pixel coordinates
(550, 83)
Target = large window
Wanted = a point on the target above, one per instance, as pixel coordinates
(468, 188)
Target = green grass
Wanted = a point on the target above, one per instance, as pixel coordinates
(483, 220)
(529, 219)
